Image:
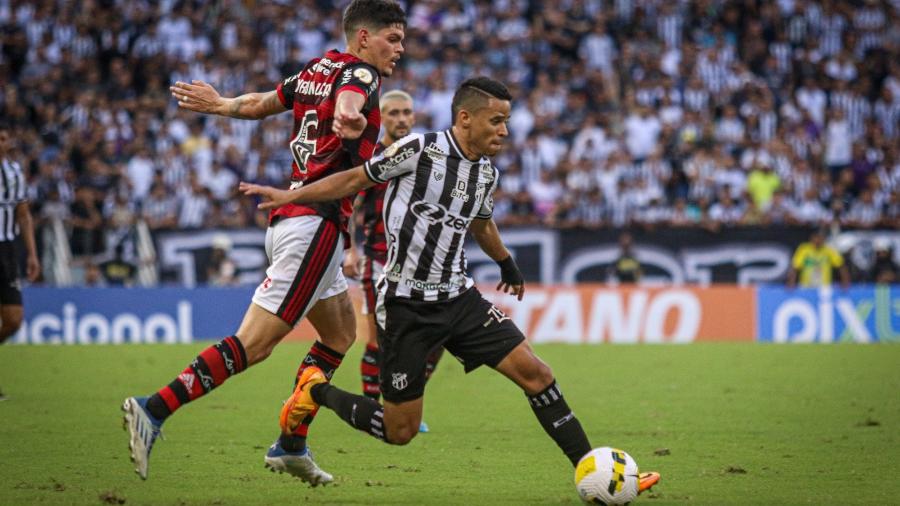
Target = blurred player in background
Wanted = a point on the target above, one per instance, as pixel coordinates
(15, 222)
(814, 264)
(627, 269)
(334, 100)
(398, 118)
(441, 187)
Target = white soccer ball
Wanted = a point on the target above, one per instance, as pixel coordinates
(607, 476)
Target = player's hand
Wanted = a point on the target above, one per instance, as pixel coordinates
(349, 125)
(32, 268)
(197, 96)
(517, 290)
(351, 264)
(511, 279)
(272, 197)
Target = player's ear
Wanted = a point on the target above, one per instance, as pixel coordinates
(464, 118)
(362, 37)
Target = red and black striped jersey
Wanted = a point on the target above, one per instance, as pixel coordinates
(318, 152)
(375, 246)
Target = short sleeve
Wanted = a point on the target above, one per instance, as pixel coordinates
(487, 205)
(398, 159)
(286, 89)
(359, 77)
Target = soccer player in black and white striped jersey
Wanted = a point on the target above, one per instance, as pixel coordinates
(441, 186)
(15, 221)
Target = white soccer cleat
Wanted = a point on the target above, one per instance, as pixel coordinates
(143, 430)
(298, 464)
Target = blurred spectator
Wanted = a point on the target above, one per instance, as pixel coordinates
(814, 263)
(195, 205)
(221, 270)
(627, 268)
(160, 210)
(117, 271)
(86, 221)
(884, 269)
(762, 184)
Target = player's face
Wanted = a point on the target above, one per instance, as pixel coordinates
(487, 130)
(385, 48)
(398, 118)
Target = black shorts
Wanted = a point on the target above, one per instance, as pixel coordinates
(10, 283)
(469, 327)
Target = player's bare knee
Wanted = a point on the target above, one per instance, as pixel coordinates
(402, 434)
(538, 377)
(339, 341)
(257, 349)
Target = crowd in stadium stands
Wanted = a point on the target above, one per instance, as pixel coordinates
(650, 112)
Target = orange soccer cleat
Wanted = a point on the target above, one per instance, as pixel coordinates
(647, 480)
(301, 404)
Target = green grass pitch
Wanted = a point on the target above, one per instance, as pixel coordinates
(723, 423)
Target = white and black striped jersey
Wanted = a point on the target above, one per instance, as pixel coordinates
(434, 194)
(12, 192)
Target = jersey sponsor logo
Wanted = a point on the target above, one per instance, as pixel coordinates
(364, 75)
(399, 381)
(313, 88)
(326, 66)
(395, 160)
(460, 191)
(430, 286)
(435, 153)
(433, 212)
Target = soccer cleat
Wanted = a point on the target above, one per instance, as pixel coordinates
(143, 429)
(423, 427)
(301, 404)
(298, 464)
(3, 397)
(647, 480)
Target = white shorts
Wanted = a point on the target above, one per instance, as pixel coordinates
(371, 272)
(305, 256)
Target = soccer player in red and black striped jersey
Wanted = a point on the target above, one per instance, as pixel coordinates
(398, 118)
(334, 100)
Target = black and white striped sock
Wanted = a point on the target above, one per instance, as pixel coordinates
(560, 422)
(359, 411)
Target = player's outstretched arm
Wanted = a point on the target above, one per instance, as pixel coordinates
(333, 187)
(201, 97)
(485, 232)
(349, 121)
